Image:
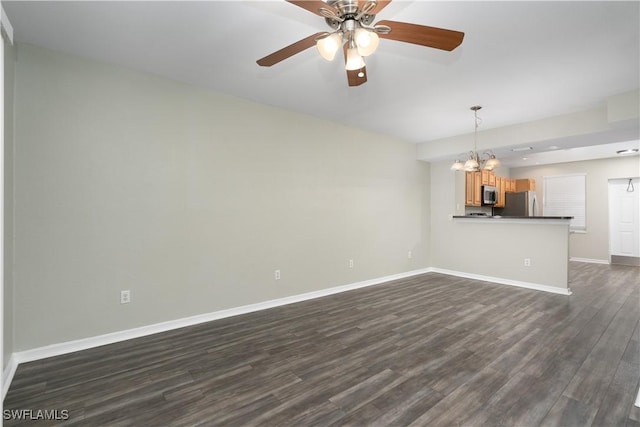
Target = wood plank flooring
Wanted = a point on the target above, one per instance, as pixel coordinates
(431, 350)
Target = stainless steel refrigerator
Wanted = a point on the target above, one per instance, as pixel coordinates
(523, 203)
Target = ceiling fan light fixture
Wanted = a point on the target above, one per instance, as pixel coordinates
(354, 60)
(328, 45)
(367, 41)
(348, 17)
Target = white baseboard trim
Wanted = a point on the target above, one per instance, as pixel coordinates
(110, 338)
(499, 280)
(8, 373)
(589, 260)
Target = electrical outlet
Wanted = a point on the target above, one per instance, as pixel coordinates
(277, 274)
(350, 263)
(125, 297)
(409, 255)
(527, 262)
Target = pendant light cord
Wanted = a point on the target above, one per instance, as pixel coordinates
(475, 131)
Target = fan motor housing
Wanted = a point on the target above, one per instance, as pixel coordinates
(347, 9)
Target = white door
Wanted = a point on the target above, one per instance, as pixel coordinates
(624, 217)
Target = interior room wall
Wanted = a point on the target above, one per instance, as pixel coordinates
(494, 250)
(7, 336)
(593, 245)
(190, 199)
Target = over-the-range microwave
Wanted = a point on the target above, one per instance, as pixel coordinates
(489, 195)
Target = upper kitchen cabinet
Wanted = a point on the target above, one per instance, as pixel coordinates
(468, 188)
(488, 177)
(473, 189)
(475, 180)
(525, 184)
(501, 185)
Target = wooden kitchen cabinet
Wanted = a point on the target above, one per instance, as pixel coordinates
(488, 177)
(477, 189)
(468, 188)
(525, 184)
(501, 184)
(473, 189)
(475, 180)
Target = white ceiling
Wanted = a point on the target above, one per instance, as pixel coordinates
(522, 61)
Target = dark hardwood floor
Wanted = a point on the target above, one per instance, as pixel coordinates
(432, 350)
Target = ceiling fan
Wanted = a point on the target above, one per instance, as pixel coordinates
(351, 22)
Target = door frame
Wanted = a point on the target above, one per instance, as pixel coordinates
(632, 260)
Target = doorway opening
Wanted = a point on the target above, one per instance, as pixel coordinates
(624, 221)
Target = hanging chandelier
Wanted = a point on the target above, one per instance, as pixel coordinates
(475, 161)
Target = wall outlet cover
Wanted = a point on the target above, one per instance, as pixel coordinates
(125, 297)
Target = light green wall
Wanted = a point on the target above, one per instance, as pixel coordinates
(594, 244)
(190, 199)
(7, 336)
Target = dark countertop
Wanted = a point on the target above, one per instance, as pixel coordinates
(510, 217)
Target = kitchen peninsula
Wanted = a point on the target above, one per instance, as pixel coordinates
(530, 252)
(518, 218)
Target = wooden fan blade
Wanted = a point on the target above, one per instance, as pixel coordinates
(381, 5)
(313, 6)
(438, 38)
(355, 77)
(288, 51)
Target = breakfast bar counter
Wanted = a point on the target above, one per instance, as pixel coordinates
(521, 219)
(531, 252)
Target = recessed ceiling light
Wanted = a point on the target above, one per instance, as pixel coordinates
(553, 147)
(525, 158)
(522, 149)
(627, 151)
